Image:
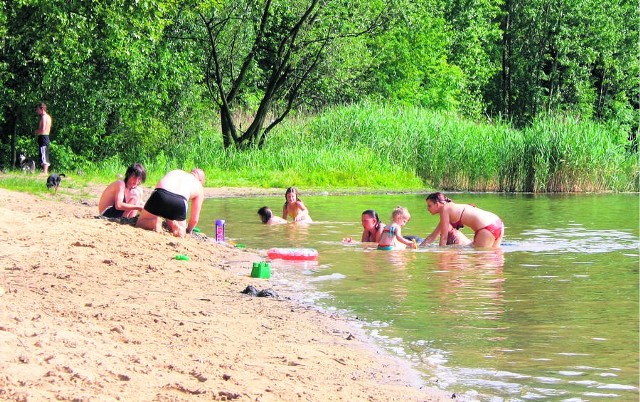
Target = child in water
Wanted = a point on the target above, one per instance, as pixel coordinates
(372, 227)
(294, 207)
(391, 238)
(268, 218)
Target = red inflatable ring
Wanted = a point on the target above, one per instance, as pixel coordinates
(296, 254)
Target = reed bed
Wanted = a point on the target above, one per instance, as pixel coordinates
(376, 146)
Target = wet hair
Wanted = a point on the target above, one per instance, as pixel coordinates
(136, 170)
(438, 198)
(42, 106)
(400, 211)
(372, 213)
(265, 214)
(291, 190)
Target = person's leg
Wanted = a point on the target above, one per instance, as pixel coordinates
(483, 239)
(135, 197)
(44, 157)
(459, 238)
(498, 241)
(149, 221)
(177, 228)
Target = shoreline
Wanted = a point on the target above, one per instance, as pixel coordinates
(91, 309)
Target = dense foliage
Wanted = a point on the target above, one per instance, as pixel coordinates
(139, 80)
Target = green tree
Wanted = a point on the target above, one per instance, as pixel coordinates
(263, 55)
(575, 56)
(473, 27)
(408, 59)
(112, 83)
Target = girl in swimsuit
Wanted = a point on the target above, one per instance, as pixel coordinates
(391, 237)
(487, 226)
(294, 207)
(372, 227)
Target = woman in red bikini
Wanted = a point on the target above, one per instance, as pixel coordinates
(487, 226)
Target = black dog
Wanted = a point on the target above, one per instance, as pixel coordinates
(27, 165)
(54, 180)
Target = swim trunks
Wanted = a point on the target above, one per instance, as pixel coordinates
(112, 212)
(43, 144)
(167, 205)
(495, 229)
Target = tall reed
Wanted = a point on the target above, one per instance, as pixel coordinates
(378, 146)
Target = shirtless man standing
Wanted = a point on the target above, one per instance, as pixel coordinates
(169, 201)
(123, 198)
(44, 127)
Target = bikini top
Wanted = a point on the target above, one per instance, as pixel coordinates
(458, 224)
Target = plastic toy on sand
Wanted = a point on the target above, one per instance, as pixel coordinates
(294, 254)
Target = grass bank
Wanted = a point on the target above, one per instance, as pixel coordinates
(375, 147)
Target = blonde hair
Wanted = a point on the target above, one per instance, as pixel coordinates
(400, 212)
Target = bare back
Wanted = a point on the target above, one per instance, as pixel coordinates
(472, 217)
(181, 183)
(111, 194)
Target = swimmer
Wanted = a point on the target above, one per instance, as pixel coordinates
(487, 226)
(372, 227)
(454, 237)
(268, 218)
(294, 207)
(391, 237)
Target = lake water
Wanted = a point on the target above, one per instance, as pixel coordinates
(553, 315)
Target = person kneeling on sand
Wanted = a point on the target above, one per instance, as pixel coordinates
(169, 201)
(123, 198)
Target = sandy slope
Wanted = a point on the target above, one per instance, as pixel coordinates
(97, 310)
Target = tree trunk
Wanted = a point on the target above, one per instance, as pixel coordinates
(506, 61)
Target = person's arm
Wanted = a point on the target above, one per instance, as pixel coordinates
(432, 237)
(40, 129)
(124, 206)
(303, 212)
(284, 211)
(444, 226)
(381, 227)
(402, 239)
(196, 207)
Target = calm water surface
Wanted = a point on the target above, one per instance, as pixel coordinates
(553, 315)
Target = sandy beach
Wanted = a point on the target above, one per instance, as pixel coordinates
(96, 310)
